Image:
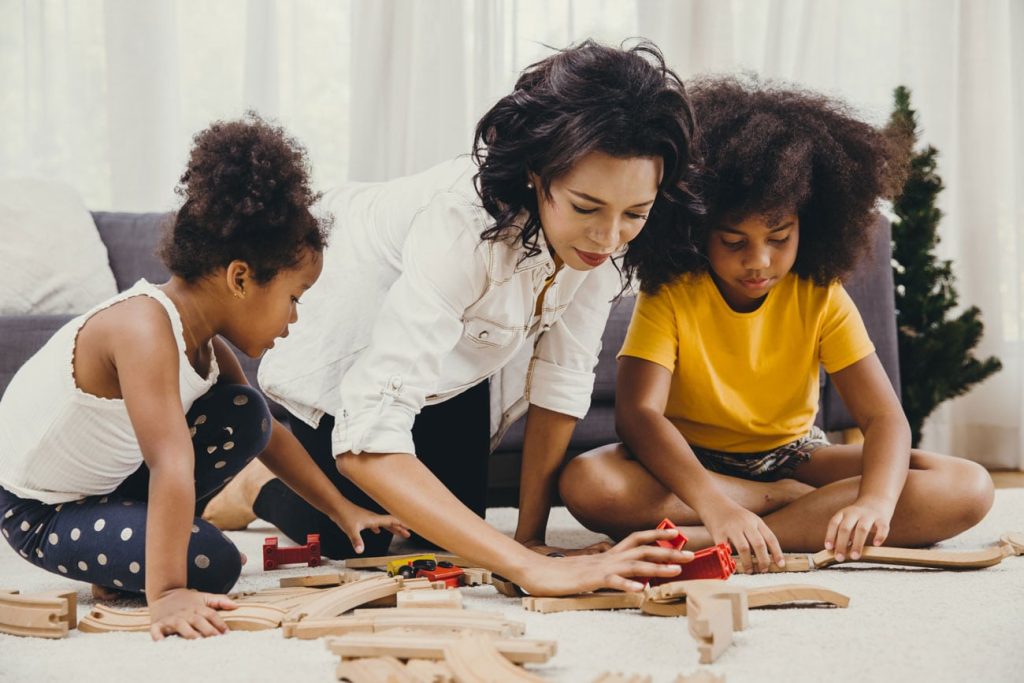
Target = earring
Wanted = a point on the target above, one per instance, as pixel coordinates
(529, 184)
(240, 295)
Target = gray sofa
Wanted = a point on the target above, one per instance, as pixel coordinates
(131, 240)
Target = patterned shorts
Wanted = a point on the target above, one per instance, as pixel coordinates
(778, 463)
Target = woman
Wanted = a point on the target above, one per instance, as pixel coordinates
(496, 266)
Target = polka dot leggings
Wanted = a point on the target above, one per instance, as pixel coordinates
(102, 539)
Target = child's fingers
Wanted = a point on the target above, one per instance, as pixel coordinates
(832, 530)
(156, 632)
(774, 548)
(759, 550)
(860, 537)
(881, 532)
(355, 539)
(220, 601)
(843, 536)
(621, 583)
(743, 550)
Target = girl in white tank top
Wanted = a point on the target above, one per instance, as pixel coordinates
(137, 408)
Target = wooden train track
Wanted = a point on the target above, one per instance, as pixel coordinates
(907, 557)
(418, 619)
(411, 645)
(40, 615)
(478, 659)
(248, 617)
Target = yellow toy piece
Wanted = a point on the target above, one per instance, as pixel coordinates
(394, 565)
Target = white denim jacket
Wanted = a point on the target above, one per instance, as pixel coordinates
(413, 308)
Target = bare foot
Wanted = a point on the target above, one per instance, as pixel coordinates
(231, 509)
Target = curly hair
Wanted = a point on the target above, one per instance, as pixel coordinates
(246, 197)
(770, 149)
(622, 102)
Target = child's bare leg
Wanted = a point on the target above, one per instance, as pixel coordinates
(609, 491)
(943, 496)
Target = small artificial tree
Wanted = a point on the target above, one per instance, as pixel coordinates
(936, 362)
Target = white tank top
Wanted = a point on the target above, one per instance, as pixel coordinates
(58, 443)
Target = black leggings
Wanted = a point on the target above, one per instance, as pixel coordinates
(102, 539)
(452, 439)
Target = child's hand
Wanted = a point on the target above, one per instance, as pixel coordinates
(850, 527)
(633, 556)
(748, 535)
(538, 547)
(188, 613)
(353, 519)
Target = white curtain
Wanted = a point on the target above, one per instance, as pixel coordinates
(106, 95)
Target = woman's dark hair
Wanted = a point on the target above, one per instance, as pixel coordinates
(591, 98)
(247, 197)
(770, 149)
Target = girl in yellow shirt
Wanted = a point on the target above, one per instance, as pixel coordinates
(717, 382)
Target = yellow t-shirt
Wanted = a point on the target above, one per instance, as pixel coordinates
(745, 382)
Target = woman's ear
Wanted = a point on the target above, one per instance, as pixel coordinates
(237, 277)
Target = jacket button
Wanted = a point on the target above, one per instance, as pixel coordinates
(484, 335)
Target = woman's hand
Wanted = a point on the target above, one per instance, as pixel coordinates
(850, 527)
(614, 568)
(594, 549)
(746, 532)
(353, 519)
(188, 613)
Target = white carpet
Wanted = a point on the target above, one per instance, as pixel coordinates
(902, 625)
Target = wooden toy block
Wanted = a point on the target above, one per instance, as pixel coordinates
(1013, 542)
(475, 576)
(713, 611)
(375, 670)
(41, 615)
(431, 646)
(415, 618)
(325, 580)
(275, 556)
(432, 598)
(430, 671)
(477, 659)
(588, 601)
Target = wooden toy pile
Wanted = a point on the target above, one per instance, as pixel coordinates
(396, 628)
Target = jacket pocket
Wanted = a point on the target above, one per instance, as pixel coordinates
(489, 334)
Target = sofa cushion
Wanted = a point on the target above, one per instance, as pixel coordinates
(132, 240)
(53, 261)
(20, 337)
